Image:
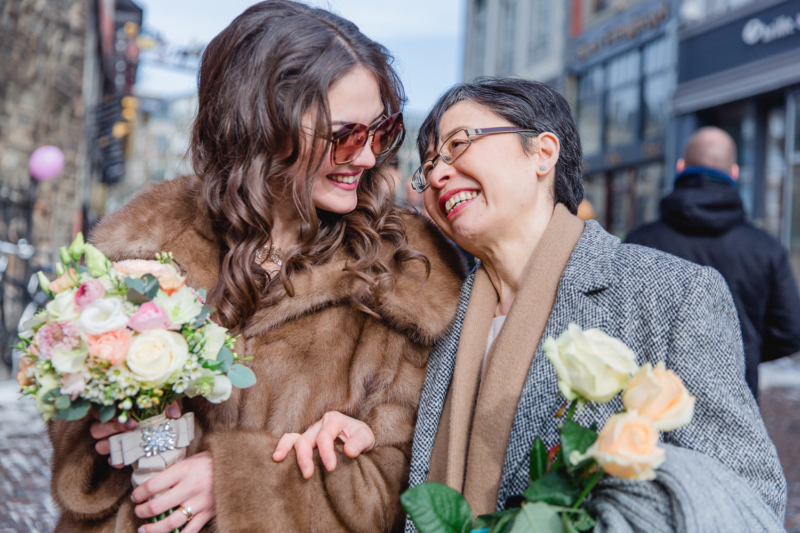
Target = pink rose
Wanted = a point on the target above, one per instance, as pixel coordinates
(110, 346)
(89, 292)
(150, 316)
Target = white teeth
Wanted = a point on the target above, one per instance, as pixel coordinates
(344, 179)
(458, 199)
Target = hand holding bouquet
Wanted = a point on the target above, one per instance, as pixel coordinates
(591, 367)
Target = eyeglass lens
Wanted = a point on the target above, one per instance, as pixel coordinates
(352, 138)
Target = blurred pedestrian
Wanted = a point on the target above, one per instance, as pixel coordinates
(703, 220)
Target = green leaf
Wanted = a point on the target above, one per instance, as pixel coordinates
(225, 358)
(575, 437)
(569, 527)
(136, 290)
(51, 396)
(149, 286)
(506, 523)
(200, 319)
(537, 518)
(107, 412)
(555, 488)
(491, 520)
(202, 294)
(241, 376)
(63, 402)
(582, 520)
(76, 411)
(436, 508)
(538, 460)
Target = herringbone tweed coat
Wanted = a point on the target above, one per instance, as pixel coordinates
(664, 309)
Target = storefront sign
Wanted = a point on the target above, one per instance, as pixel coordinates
(626, 30)
(753, 37)
(756, 31)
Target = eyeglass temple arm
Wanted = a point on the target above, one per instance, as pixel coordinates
(489, 131)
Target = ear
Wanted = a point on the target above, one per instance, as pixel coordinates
(549, 149)
(680, 165)
(735, 172)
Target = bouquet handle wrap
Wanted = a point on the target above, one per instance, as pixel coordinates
(156, 445)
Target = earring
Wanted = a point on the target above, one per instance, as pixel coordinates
(542, 167)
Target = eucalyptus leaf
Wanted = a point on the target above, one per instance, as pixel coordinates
(555, 488)
(150, 286)
(537, 517)
(107, 412)
(201, 318)
(436, 508)
(135, 284)
(63, 402)
(76, 411)
(225, 358)
(575, 437)
(538, 466)
(51, 396)
(241, 376)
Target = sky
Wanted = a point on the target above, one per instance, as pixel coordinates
(425, 36)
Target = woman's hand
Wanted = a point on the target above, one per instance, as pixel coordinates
(356, 435)
(101, 431)
(189, 483)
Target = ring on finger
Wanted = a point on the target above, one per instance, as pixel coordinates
(187, 512)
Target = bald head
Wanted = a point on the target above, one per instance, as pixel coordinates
(711, 147)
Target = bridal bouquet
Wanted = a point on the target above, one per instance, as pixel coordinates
(591, 367)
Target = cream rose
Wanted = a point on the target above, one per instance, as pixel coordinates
(155, 356)
(590, 364)
(660, 395)
(62, 307)
(214, 336)
(627, 447)
(69, 361)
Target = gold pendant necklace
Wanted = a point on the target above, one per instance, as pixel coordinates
(271, 254)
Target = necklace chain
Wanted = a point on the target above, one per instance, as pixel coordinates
(271, 254)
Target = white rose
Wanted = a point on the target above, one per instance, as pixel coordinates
(590, 364)
(181, 306)
(215, 338)
(103, 315)
(62, 307)
(213, 387)
(155, 356)
(69, 362)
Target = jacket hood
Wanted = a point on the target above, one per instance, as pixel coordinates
(704, 202)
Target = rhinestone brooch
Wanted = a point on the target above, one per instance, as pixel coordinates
(158, 439)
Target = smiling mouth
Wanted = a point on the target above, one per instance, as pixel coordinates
(457, 200)
(343, 179)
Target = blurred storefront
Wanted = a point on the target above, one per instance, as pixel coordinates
(623, 64)
(741, 72)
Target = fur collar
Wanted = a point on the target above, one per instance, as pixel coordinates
(171, 216)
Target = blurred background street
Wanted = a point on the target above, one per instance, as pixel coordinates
(108, 89)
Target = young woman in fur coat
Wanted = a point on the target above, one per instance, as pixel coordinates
(338, 294)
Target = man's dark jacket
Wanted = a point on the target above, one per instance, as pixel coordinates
(703, 220)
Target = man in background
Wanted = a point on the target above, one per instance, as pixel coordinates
(703, 220)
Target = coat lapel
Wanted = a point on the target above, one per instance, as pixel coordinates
(587, 272)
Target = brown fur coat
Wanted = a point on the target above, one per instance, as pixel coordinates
(313, 352)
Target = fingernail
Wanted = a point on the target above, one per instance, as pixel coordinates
(140, 530)
(131, 424)
(173, 412)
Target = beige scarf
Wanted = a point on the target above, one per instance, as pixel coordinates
(470, 445)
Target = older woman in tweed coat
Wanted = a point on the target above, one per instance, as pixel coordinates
(502, 178)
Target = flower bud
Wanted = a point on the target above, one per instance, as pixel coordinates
(76, 248)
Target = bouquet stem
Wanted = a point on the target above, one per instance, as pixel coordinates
(162, 516)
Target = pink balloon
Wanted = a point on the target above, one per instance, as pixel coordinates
(46, 162)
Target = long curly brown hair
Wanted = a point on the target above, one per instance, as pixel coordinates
(259, 78)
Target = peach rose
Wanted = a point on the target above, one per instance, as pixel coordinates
(64, 281)
(168, 278)
(627, 447)
(22, 376)
(110, 346)
(171, 283)
(659, 394)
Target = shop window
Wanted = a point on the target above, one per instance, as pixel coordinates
(657, 83)
(539, 34)
(476, 41)
(774, 170)
(595, 189)
(506, 36)
(796, 119)
(648, 192)
(622, 99)
(795, 238)
(590, 90)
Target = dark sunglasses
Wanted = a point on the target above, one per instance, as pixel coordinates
(351, 139)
